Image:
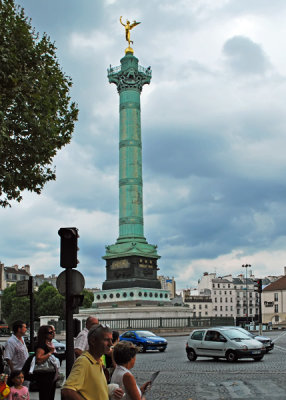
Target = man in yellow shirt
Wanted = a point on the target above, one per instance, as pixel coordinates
(86, 379)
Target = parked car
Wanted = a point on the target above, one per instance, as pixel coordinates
(229, 343)
(266, 341)
(59, 346)
(145, 340)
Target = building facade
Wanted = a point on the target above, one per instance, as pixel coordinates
(274, 302)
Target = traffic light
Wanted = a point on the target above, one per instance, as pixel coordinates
(68, 258)
(258, 285)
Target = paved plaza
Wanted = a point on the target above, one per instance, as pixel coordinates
(206, 379)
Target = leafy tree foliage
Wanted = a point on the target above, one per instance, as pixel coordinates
(48, 301)
(88, 298)
(14, 307)
(36, 113)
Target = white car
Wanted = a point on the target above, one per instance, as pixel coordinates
(229, 343)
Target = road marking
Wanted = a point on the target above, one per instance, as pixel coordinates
(278, 337)
(280, 348)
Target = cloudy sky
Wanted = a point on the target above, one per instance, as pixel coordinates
(213, 133)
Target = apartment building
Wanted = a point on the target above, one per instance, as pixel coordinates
(274, 302)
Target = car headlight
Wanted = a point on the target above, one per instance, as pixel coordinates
(149, 342)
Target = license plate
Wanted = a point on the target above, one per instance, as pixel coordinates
(256, 352)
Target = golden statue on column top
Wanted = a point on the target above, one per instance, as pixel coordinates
(128, 28)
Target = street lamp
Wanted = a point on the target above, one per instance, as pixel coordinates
(246, 266)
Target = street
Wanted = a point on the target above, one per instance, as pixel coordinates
(206, 379)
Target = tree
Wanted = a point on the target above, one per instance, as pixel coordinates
(48, 301)
(88, 298)
(14, 307)
(36, 113)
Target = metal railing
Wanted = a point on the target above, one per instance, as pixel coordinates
(169, 323)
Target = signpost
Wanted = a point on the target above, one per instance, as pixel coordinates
(26, 288)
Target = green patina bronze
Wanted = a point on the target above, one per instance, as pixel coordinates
(131, 262)
(129, 78)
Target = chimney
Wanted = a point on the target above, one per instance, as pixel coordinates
(27, 268)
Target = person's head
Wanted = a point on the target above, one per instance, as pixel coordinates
(115, 337)
(45, 334)
(90, 322)
(124, 352)
(53, 329)
(99, 340)
(19, 328)
(16, 378)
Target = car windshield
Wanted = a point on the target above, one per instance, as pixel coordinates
(235, 334)
(145, 334)
(245, 331)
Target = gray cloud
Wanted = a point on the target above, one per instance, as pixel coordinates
(244, 56)
(213, 137)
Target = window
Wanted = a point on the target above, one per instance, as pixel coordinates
(230, 292)
(200, 306)
(206, 306)
(275, 296)
(238, 311)
(276, 318)
(231, 299)
(215, 300)
(218, 285)
(215, 308)
(226, 299)
(226, 309)
(250, 311)
(221, 299)
(228, 285)
(194, 306)
(231, 308)
(220, 308)
(225, 292)
(198, 335)
(200, 314)
(276, 308)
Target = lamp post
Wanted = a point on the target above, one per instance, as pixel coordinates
(246, 266)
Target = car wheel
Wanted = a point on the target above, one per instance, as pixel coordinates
(191, 355)
(141, 348)
(258, 358)
(162, 350)
(231, 356)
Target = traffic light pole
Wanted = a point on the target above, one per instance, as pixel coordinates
(69, 324)
(260, 314)
(31, 294)
(68, 260)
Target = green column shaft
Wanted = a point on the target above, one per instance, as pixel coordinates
(130, 166)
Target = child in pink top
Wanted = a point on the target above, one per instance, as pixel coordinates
(18, 391)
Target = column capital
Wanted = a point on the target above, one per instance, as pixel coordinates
(129, 75)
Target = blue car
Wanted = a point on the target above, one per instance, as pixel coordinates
(145, 340)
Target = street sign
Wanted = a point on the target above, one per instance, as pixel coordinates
(78, 282)
(22, 288)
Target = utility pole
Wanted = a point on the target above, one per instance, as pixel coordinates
(246, 289)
